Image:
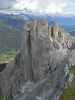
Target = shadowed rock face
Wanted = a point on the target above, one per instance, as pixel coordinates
(2, 67)
(38, 59)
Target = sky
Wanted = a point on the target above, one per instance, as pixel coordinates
(65, 7)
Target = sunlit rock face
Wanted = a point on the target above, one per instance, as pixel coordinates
(55, 31)
(42, 27)
(41, 56)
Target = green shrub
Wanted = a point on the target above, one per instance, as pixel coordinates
(69, 93)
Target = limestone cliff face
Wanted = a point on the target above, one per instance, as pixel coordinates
(41, 56)
(56, 31)
(36, 48)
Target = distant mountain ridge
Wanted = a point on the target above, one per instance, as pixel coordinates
(17, 19)
(11, 26)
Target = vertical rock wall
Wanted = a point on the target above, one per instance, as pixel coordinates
(38, 59)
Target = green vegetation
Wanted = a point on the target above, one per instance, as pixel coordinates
(4, 98)
(69, 93)
(7, 56)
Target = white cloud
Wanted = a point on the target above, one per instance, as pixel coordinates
(22, 4)
(55, 8)
(65, 7)
(41, 6)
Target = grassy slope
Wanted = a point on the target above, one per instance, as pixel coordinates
(7, 56)
(4, 98)
(4, 58)
(69, 93)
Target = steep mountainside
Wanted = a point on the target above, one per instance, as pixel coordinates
(38, 71)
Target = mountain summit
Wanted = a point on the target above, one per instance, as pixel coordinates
(38, 71)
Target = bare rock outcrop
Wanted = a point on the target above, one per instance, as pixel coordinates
(41, 58)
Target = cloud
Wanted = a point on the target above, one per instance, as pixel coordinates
(47, 6)
(22, 4)
(6, 3)
(65, 7)
(55, 8)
